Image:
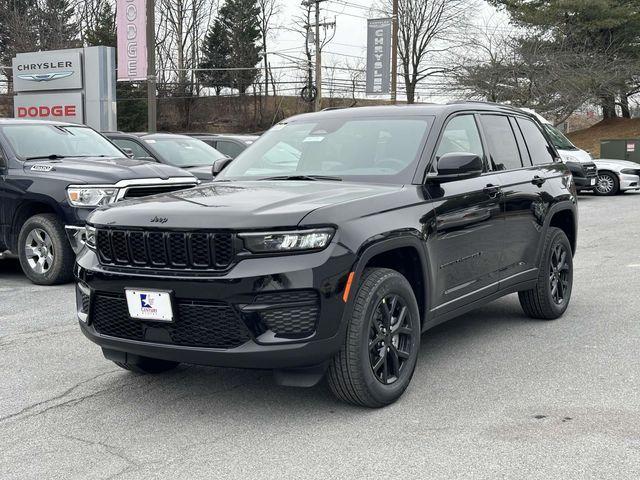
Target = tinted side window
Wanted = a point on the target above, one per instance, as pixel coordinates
(229, 148)
(461, 135)
(138, 150)
(539, 148)
(501, 142)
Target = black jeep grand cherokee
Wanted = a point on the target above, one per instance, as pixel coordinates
(331, 244)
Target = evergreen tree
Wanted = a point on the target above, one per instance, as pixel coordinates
(131, 97)
(240, 19)
(602, 34)
(103, 32)
(215, 54)
(57, 27)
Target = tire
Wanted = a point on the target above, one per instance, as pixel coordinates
(543, 301)
(351, 375)
(607, 184)
(146, 365)
(45, 254)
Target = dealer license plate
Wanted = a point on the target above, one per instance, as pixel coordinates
(149, 305)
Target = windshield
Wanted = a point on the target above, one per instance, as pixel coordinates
(559, 140)
(33, 141)
(185, 152)
(381, 150)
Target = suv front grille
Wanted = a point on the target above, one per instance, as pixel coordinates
(162, 250)
(208, 325)
(145, 191)
(591, 170)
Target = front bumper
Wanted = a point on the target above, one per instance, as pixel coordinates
(249, 294)
(585, 183)
(629, 182)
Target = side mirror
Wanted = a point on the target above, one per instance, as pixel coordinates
(128, 152)
(220, 165)
(457, 166)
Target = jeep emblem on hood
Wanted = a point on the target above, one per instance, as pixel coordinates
(159, 220)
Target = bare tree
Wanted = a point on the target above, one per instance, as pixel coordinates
(427, 31)
(269, 11)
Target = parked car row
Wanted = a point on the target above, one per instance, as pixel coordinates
(602, 176)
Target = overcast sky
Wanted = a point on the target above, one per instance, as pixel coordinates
(349, 43)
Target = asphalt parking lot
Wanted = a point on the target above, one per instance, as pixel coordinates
(495, 395)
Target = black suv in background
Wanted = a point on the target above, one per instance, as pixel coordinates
(52, 175)
(182, 151)
(381, 223)
(231, 145)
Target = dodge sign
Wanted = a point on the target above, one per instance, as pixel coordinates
(64, 107)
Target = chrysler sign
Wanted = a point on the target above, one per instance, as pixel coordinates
(378, 56)
(54, 70)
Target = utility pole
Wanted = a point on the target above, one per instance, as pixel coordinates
(151, 68)
(394, 54)
(318, 45)
(318, 60)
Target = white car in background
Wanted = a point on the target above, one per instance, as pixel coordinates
(616, 176)
(579, 162)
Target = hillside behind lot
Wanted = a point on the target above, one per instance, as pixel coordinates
(589, 138)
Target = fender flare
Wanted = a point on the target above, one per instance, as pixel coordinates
(562, 206)
(371, 249)
(14, 227)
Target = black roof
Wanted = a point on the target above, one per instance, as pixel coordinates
(413, 110)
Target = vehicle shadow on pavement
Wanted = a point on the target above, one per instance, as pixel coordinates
(224, 392)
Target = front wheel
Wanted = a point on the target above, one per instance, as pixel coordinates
(380, 349)
(45, 254)
(607, 184)
(550, 297)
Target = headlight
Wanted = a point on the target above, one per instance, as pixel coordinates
(91, 196)
(273, 242)
(90, 237)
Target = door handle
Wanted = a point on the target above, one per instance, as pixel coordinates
(492, 190)
(538, 180)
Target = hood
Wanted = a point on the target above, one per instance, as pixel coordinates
(238, 205)
(100, 170)
(576, 155)
(616, 165)
(202, 173)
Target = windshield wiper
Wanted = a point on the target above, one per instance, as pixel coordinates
(53, 156)
(304, 177)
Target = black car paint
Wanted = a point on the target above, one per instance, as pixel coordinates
(468, 242)
(24, 189)
(201, 172)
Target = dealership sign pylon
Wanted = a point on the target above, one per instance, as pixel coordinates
(77, 85)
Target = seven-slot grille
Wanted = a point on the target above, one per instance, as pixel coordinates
(591, 170)
(158, 249)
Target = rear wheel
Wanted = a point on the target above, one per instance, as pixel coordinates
(550, 297)
(607, 184)
(380, 350)
(45, 254)
(146, 365)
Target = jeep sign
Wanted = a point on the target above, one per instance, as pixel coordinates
(53, 70)
(65, 107)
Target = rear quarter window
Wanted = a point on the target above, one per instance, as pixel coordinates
(539, 148)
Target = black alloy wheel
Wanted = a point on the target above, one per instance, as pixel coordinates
(559, 273)
(380, 350)
(390, 339)
(550, 297)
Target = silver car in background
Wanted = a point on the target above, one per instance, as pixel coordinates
(616, 176)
